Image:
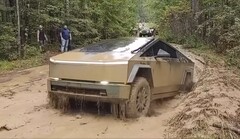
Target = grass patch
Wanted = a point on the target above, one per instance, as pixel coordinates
(215, 59)
(209, 55)
(29, 62)
(6, 66)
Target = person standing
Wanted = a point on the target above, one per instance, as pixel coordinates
(66, 36)
(41, 37)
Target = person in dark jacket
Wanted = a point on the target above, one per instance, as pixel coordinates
(66, 36)
(41, 37)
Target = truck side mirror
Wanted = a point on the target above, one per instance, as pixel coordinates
(162, 53)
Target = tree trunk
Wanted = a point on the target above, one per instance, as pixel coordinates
(195, 16)
(4, 11)
(67, 8)
(38, 10)
(85, 4)
(195, 6)
(19, 29)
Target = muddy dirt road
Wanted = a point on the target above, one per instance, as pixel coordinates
(24, 111)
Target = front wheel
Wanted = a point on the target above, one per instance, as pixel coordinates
(53, 100)
(140, 99)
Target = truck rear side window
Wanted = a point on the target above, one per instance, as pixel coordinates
(160, 47)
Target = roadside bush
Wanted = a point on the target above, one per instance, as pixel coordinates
(31, 51)
(8, 45)
(192, 42)
(234, 57)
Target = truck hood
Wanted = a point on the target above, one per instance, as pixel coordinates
(96, 67)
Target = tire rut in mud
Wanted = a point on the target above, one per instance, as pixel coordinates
(215, 101)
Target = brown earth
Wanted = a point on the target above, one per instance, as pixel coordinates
(25, 113)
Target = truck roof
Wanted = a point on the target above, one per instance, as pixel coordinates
(116, 45)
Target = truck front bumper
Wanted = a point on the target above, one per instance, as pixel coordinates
(90, 91)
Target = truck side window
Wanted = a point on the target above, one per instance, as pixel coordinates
(160, 47)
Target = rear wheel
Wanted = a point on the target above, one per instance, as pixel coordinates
(140, 99)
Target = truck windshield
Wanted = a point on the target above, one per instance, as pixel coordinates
(116, 45)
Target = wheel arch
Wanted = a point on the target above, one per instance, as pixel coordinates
(188, 72)
(140, 70)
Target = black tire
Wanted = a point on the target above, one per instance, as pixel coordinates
(188, 83)
(139, 102)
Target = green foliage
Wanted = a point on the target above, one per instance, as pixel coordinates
(212, 22)
(31, 51)
(7, 42)
(193, 42)
(89, 21)
(233, 57)
(20, 64)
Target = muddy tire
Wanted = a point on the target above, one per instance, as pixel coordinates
(139, 102)
(64, 103)
(59, 102)
(53, 100)
(188, 83)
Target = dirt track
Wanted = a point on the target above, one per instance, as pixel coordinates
(24, 110)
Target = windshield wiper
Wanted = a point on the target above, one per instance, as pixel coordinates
(140, 48)
(137, 50)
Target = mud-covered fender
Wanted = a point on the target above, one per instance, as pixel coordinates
(188, 70)
(135, 70)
